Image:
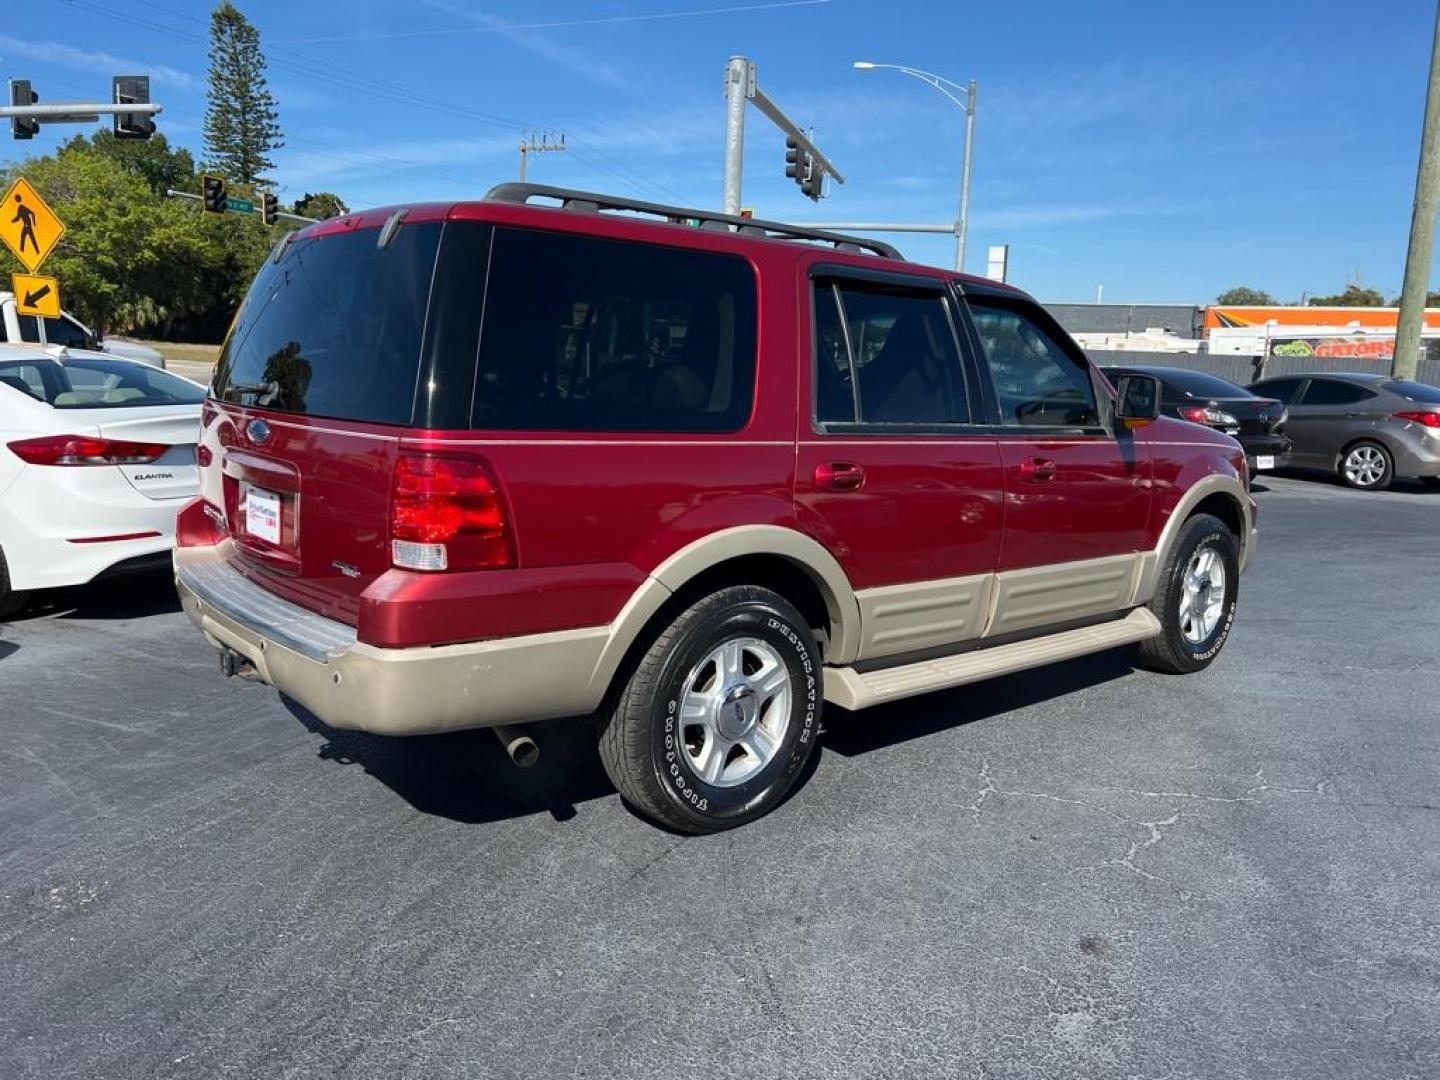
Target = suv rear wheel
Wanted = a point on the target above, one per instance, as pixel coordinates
(721, 714)
(1195, 600)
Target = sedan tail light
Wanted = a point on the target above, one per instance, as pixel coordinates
(1206, 414)
(1429, 419)
(85, 450)
(447, 513)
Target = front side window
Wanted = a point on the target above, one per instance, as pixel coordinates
(587, 334)
(1328, 392)
(1037, 381)
(1279, 389)
(886, 355)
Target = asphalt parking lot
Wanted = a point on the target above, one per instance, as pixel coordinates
(1083, 871)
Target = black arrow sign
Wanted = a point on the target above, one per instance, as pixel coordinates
(33, 298)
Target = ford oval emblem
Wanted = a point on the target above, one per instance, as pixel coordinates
(258, 431)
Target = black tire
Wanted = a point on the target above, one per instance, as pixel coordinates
(1366, 446)
(647, 747)
(12, 601)
(1172, 652)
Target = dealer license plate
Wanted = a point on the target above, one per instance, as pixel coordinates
(262, 515)
(1265, 461)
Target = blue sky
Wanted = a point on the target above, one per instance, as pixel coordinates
(1164, 150)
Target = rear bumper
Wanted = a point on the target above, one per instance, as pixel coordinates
(349, 684)
(1418, 453)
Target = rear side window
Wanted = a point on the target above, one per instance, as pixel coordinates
(27, 378)
(1037, 381)
(66, 332)
(334, 327)
(587, 334)
(1328, 392)
(885, 355)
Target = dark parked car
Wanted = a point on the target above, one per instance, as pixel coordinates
(1367, 429)
(1256, 422)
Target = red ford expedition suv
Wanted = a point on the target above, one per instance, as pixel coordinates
(552, 454)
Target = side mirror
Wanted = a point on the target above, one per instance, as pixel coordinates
(1139, 400)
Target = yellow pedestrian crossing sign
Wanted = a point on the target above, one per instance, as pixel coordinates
(29, 228)
(36, 295)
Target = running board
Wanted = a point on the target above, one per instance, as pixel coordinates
(851, 689)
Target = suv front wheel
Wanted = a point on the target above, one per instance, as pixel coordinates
(721, 714)
(1195, 599)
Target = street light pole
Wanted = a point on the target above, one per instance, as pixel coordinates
(949, 88)
(962, 225)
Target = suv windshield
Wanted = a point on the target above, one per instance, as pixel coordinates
(97, 384)
(332, 327)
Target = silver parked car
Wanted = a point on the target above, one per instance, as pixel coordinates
(1367, 429)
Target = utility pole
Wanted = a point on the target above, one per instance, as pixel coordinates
(544, 145)
(1422, 228)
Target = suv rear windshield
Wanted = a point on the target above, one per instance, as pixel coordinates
(98, 384)
(333, 327)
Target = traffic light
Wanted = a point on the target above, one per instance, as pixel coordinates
(23, 127)
(269, 208)
(212, 188)
(794, 161)
(814, 183)
(132, 90)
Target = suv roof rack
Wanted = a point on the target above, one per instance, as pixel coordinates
(590, 202)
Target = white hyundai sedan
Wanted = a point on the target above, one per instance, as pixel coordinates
(97, 455)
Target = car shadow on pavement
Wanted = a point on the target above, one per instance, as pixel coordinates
(466, 776)
(133, 596)
(850, 734)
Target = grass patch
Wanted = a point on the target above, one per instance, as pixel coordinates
(195, 354)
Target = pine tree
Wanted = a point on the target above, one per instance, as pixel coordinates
(241, 122)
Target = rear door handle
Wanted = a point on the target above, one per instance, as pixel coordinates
(839, 476)
(1037, 469)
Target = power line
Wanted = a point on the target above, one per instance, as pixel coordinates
(344, 78)
(501, 28)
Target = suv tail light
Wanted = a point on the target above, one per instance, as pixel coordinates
(447, 513)
(85, 450)
(1205, 414)
(1429, 419)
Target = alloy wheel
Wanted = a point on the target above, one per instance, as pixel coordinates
(734, 711)
(1364, 466)
(1202, 595)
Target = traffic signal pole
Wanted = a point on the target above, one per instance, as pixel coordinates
(281, 214)
(741, 85)
(1422, 229)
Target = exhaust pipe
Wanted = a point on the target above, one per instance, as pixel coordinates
(520, 746)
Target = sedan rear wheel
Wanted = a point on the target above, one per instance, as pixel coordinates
(1367, 466)
(12, 602)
